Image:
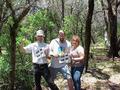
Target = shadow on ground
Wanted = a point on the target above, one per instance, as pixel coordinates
(97, 73)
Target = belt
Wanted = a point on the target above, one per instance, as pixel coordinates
(40, 65)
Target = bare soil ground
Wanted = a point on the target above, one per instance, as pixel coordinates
(103, 74)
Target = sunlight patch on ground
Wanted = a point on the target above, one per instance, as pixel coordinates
(109, 71)
(61, 83)
(115, 79)
(90, 80)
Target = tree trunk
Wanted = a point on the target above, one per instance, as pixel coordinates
(62, 11)
(13, 55)
(0, 50)
(77, 22)
(107, 32)
(13, 33)
(88, 32)
(113, 52)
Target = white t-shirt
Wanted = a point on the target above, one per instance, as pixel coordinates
(56, 47)
(39, 52)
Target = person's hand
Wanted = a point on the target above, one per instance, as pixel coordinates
(61, 54)
(70, 55)
(46, 50)
(49, 59)
(56, 55)
(21, 45)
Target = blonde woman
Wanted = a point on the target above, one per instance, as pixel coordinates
(77, 58)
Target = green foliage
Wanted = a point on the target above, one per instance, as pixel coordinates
(24, 72)
(72, 26)
(5, 35)
(4, 41)
(69, 25)
(4, 69)
(5, 56)
(23, 79)
(39, 20)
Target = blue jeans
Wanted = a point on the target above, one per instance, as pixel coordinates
(76, 73)
(43, 70)
(63, 70)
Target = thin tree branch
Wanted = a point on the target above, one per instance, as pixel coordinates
(118, 4)
(24, 12)
(9, 5)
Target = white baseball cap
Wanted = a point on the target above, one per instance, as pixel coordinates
(40, 33)
(61, 31)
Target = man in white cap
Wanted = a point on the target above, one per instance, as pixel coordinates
(59, 48)
(40, 51)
